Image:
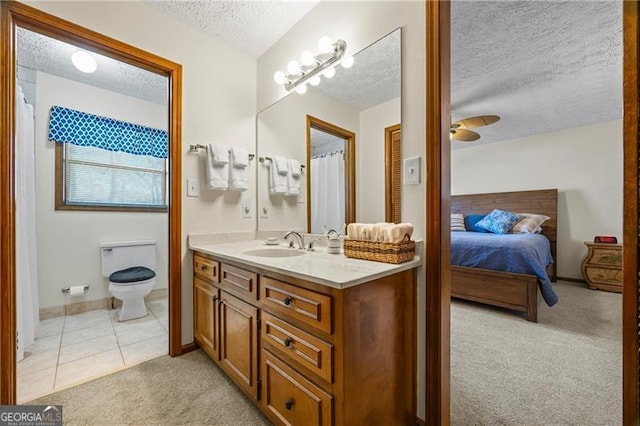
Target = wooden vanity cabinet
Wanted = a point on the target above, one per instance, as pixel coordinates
(310, 354)
(205, 316)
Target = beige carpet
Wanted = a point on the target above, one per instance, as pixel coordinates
(564, 370)
(165, 391)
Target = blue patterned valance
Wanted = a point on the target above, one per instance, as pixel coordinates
(80, 128)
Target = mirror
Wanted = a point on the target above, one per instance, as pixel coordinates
(358, 104)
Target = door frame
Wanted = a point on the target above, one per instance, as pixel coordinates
(438, 193)
(13, 14)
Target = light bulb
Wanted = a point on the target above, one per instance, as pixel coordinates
(307, 58)
(315, 80)
(325, 44)
(293, 68)
(84, 61)
(329, 72)
(302, 89)
(279, 77)
(347, 61)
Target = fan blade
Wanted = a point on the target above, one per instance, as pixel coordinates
(464, 135)
(479, 121)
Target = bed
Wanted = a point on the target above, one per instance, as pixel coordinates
(513, 290)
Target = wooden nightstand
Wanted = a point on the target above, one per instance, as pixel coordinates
(602, 266)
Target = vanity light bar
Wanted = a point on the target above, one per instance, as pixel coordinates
(195, 148)
(321, 62)
(263, 159)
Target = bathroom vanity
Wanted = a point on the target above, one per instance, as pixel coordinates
(311, 338)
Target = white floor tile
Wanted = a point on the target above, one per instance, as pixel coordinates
(145, 350)
(89, 319)
(34, 385)
(163, 319)
(131, 333)
(158, 306)
(87, 348)
(50, 327)
(85, 369)
(43, 344)
(37, 361)
(84, 334)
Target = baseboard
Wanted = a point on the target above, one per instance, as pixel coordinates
(420, 422)
(573, 280)
(189, 347)
(90, 305)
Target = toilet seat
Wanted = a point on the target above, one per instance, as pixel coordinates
(132, 275)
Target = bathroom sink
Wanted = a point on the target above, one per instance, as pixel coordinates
(275, 252)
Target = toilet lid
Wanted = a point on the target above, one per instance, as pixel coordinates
(132, 275)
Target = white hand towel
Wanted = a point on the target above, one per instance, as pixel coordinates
(217, 174)
(277, 182)
(239, 170)
(293, 177)
(219, 153)
(281, 163)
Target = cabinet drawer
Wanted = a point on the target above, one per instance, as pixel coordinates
(309, 351)
(291, 398)
(239, 282)
(307, 306)
(206, 268)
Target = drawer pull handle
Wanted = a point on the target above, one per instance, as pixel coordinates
(203, 267)
(288, 341)
(288, 404)
(287, 301)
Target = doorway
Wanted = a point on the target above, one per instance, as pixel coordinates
(16, 15)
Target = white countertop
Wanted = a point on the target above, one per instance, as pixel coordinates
(333, 270)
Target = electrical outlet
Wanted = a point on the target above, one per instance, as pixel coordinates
(411, 171)
(264, 209)
(193, 188)
(246, 207)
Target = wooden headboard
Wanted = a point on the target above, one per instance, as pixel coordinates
(543, 201)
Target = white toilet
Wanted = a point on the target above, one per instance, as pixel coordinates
(130, 267)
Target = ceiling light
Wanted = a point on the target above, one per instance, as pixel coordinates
(302, 89)
(312, 66)
(84, 61)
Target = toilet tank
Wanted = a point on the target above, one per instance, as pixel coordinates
(126, 254)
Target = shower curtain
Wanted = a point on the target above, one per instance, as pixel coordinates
(26, 263)
(327, 193)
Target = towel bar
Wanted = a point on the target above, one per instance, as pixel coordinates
(263, 159)
(195, 148)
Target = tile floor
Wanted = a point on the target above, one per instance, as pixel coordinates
(77, 348)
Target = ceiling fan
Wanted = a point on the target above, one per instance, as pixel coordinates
(460, 129)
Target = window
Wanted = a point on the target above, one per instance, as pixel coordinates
(106, 164)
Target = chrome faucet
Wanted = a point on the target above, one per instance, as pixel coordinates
(297, 237)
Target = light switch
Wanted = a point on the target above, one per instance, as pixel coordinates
(193, 188)
(246, 206)
(411, 171)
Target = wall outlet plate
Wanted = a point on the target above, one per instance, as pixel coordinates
(193, 188)
(264, 209)
(246, 207)
(411, 171)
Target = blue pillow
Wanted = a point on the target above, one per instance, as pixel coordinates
(499, 221)
(471, 220)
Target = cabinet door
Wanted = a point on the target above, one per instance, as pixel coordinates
(239, 342)
(205, 297)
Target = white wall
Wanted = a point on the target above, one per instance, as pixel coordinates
(219, 104)
(360, 24)
(282, 130)
(583, 163)
(370, 167)
(68, 241)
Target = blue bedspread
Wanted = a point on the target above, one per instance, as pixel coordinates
(518, 253)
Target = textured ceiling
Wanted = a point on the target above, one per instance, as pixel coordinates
(250, 26)
(42, 53)
(540, 65)
(375, 76)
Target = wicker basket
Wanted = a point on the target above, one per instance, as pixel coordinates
(380, 252)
